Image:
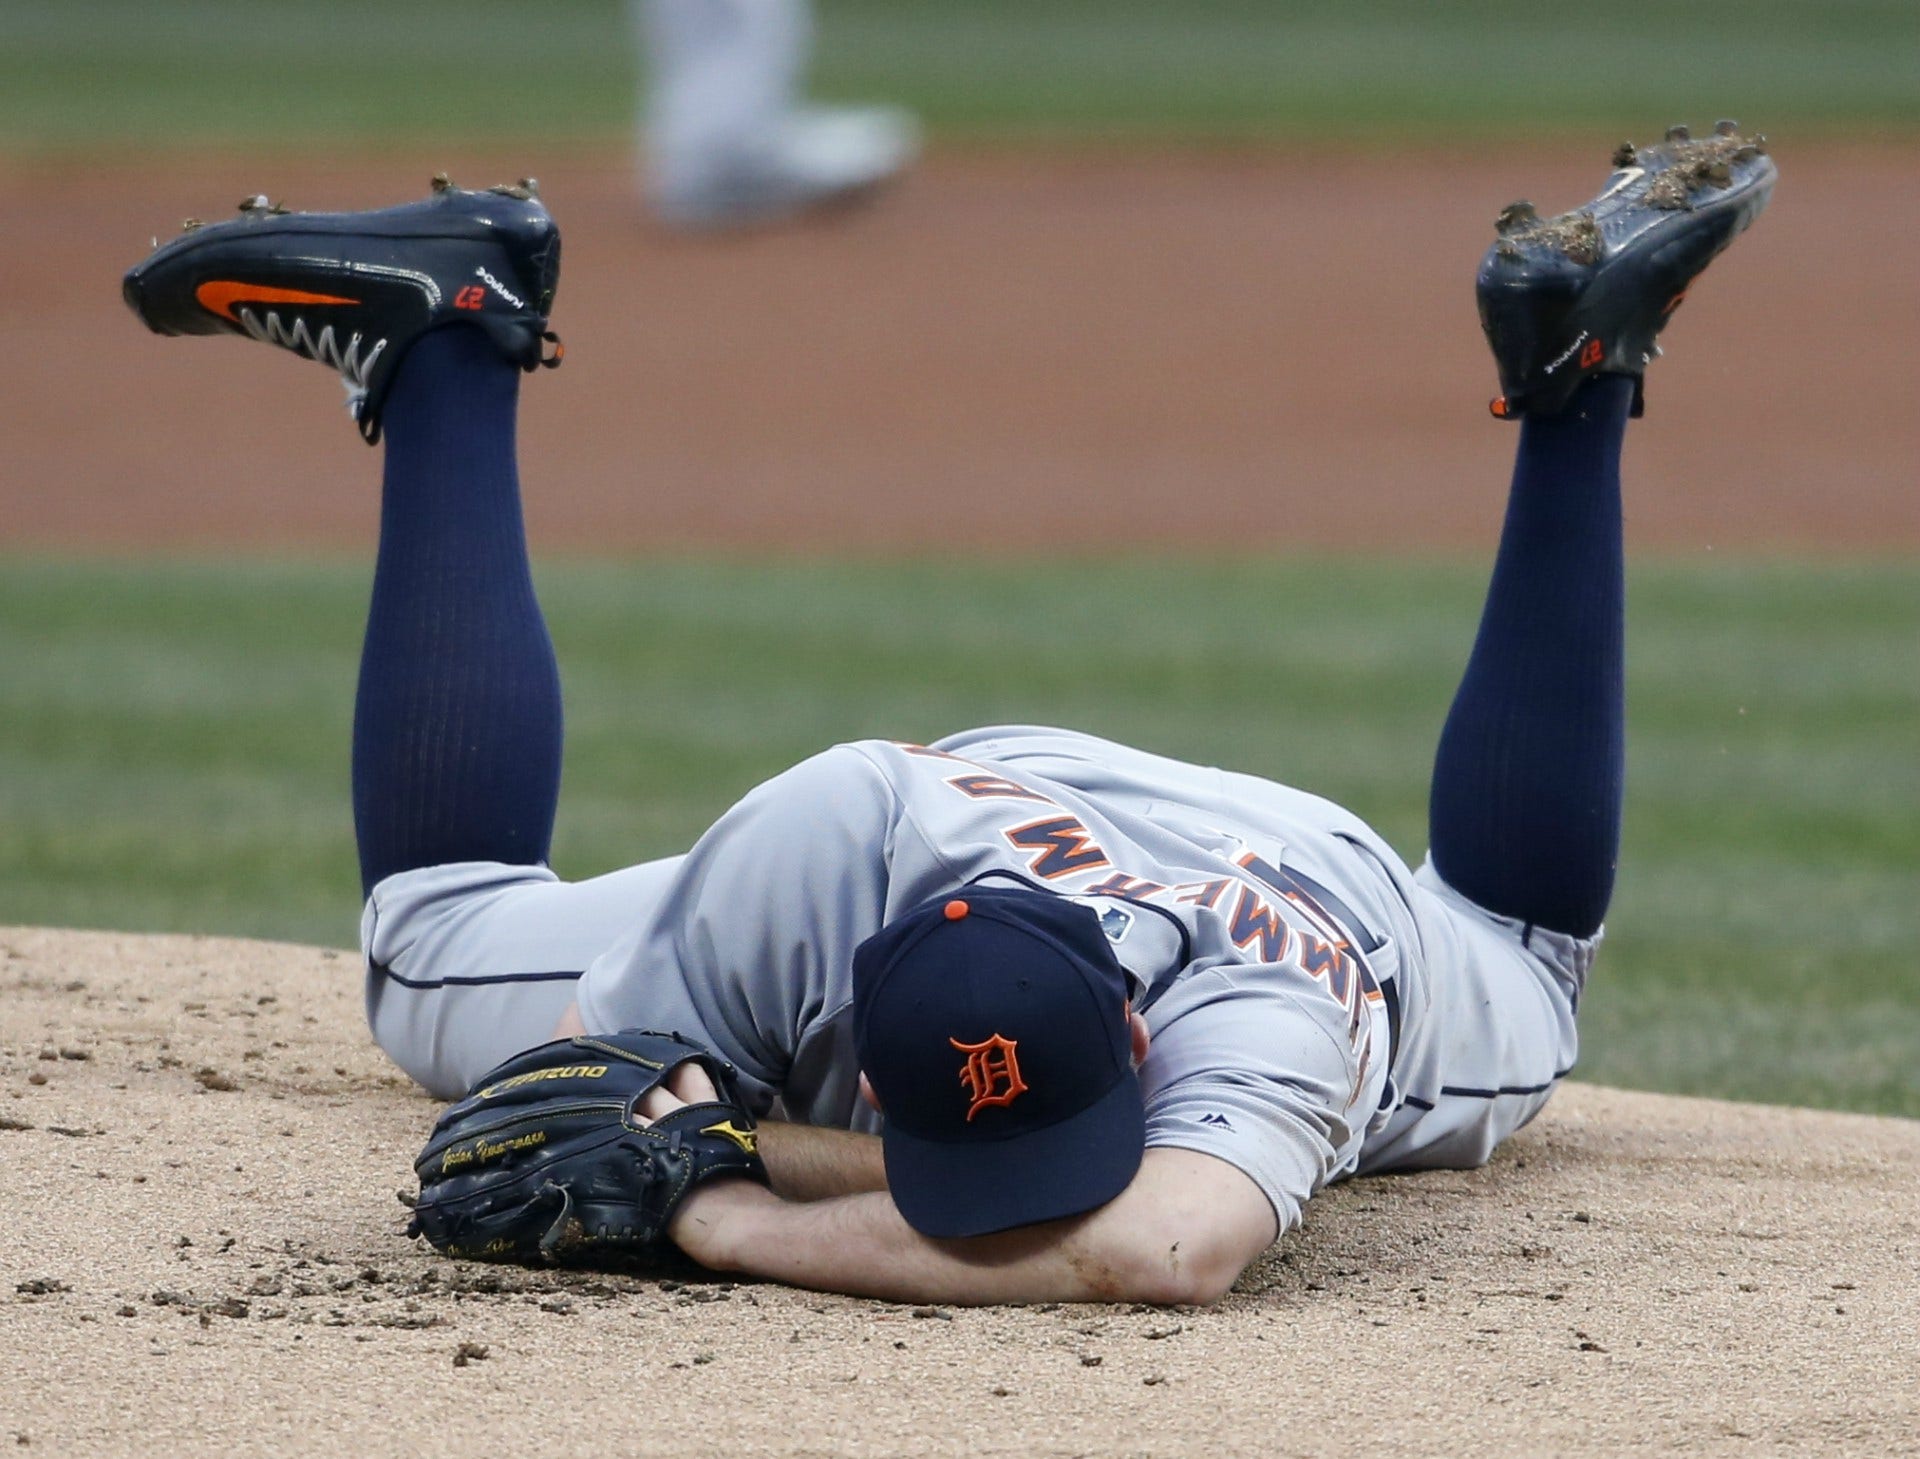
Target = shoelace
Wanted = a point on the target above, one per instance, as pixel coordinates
(323, 347)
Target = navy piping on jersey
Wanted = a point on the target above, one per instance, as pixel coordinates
(1152, 991)
(1361, 939)
(1390, 991)
(1505, 1088)
(1461, 1093)
(1369, 940)
(429, 983)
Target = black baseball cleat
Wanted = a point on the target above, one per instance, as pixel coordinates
(1566, 298)
(355, 290)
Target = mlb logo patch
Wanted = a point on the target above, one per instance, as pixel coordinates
(1115, 921)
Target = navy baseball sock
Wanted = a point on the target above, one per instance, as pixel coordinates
(1524, 814)
(456, 730)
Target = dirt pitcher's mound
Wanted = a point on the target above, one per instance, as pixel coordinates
(199, 1146)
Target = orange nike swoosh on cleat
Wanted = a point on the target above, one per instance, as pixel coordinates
(220, 295)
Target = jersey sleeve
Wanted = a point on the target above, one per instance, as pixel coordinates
(747, 947)
(1256, 1076)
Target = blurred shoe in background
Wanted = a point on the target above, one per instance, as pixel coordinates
(726, 141)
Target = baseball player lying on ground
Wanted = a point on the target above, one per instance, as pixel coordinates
(1113, 1018)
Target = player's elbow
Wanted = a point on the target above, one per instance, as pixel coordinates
(1187, 1228)
(1190, 1267)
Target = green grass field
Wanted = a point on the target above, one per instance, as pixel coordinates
(173, 749)
(120, 75)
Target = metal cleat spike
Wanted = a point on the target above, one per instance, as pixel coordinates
(1506, 250)
(258, 203)
(191, 225)
(442, 183)
(532, 185)
(1719, 174)
(1515, 216)
(1679, 132)
(1746, 153)
(524, 190)
(1759, 139)
(1726, 128)
(1625, 155)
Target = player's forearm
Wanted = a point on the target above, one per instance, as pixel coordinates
(807, 1163)
(1166, 1239)
(860, 1245)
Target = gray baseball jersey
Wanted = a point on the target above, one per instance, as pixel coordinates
(1315, 1007)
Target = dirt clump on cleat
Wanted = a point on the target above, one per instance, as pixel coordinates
(1586, 292)
(1574, 234)
(1687, 167)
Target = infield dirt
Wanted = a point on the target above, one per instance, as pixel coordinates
(201, 1146)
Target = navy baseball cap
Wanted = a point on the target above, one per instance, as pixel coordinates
(991, 1024)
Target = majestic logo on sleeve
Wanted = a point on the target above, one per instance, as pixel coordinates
(991, 1074)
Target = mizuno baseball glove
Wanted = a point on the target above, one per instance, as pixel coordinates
(546, 1159)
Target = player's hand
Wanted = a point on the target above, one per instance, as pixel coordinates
(687, 1085)
(700, 1223)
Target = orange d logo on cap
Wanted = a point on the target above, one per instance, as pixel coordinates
(991, 1073)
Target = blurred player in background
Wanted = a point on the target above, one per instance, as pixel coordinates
(726, 138)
